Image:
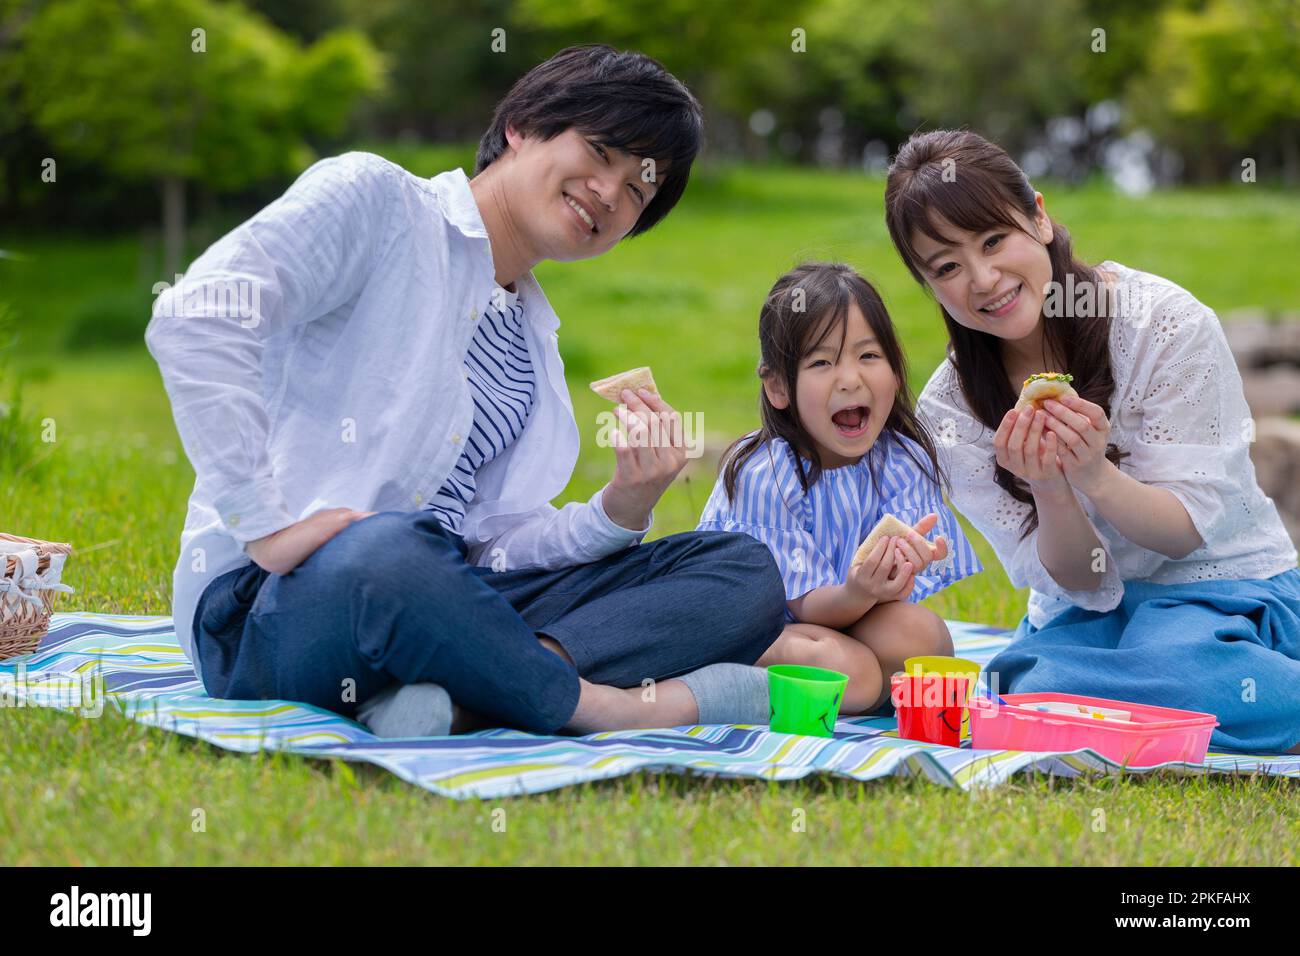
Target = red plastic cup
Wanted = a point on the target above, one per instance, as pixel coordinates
(929, 707)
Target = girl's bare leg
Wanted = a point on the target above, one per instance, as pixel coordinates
(818, 646)
(896, 631)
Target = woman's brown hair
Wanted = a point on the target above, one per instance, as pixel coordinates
(802, 309)
(975, 185)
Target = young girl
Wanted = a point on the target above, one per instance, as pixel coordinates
(1160, 573)
(839, 448)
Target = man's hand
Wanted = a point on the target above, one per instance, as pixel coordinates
(289, 547)
(649, 454)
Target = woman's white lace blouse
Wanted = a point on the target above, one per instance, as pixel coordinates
(1178, 409)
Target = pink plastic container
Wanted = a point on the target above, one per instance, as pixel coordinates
(1156, 734)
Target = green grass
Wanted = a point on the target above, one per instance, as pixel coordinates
(684, 299)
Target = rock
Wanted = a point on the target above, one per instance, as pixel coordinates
(1276, 456)
(1272, 391)
(1259, 339)
(1249, 335)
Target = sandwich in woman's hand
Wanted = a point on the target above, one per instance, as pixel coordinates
(1042, 386)
(886, 527)
(611, 389)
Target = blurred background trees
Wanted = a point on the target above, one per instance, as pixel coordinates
(138, 114)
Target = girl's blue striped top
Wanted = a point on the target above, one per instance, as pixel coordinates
(502, 384)
(813, 536)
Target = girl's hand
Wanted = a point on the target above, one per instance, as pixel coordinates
(651, 452)
(1083, 430)
(915, 550)
(882, 576)
(1022, 449)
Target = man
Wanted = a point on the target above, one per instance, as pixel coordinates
(377, 440)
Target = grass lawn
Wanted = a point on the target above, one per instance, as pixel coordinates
(684, 299)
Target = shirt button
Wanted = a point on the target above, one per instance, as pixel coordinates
(455, 439)
(472, 315)
(233, 521)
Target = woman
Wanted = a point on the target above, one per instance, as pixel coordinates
(1159, 571)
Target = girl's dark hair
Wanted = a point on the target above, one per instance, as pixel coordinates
(625, 101)
(801, 311)
(975, 185)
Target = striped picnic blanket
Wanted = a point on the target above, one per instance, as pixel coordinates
(89, 662)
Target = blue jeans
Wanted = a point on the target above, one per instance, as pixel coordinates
(393, 599)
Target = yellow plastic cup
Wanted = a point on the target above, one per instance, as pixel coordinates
(952, 667)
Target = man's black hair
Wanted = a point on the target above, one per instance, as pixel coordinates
(627, 101)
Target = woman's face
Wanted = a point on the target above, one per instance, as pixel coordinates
(993, 281)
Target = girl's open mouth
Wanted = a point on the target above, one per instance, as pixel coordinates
(852, 422)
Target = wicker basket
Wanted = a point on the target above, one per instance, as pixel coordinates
(29, 578)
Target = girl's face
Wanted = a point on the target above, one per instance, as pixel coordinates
(993, 281)
(843, 397)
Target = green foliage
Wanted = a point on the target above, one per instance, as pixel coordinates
(1003, 67)
(709, 45)
(129, 84)
(445, 76)
(1230, 65)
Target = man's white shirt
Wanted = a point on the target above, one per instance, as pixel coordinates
(314, 358)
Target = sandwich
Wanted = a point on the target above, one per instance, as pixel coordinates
(886, 527)
(611, 389)
(1042, 386)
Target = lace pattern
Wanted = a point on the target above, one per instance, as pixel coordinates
(1179, 410)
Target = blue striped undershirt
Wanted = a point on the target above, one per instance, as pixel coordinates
(501, 383)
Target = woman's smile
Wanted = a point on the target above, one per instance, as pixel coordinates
(1003, 304)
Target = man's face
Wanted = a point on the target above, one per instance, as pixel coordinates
(573, 198)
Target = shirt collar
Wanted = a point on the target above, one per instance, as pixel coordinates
(461, 210)
(458, 203)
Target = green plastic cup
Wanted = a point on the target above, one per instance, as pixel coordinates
(805, 700)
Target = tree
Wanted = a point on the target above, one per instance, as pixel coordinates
(1001, 67)
(1222, 76)
(185, 91)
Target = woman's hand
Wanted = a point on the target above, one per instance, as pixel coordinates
(1022, 449)
(1082, 429)
(289, 547)
(882, 576)
(651, 452)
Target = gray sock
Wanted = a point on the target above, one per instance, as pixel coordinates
(408, 710)
(730, 693)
